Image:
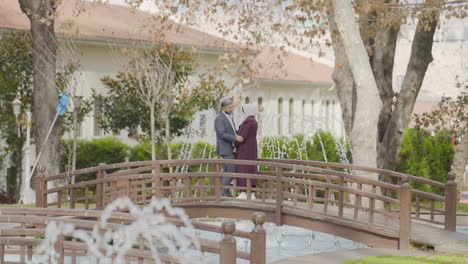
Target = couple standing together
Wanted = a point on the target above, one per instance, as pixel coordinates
(237, 144)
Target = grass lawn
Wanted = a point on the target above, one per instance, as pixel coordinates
(432, 259)
(463, 208)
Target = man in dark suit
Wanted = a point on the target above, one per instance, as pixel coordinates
(226, 135)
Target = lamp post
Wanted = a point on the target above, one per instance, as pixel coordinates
(27, 194)
(17, 111)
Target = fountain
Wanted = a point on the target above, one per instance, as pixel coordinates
(149, 230)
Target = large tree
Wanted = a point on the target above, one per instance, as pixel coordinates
(364, 131)
(264, 22)
(44, 46)
(15, 82)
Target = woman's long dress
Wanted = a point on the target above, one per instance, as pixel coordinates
(247, 150)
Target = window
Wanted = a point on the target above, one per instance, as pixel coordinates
(247, 100)
(303, 116)
(327, 115)
(203, 124)
(280, 116)
(332, 118)
(260, 109)
(291, 116)
(312, 105)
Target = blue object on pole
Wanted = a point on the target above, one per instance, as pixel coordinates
(62, 105)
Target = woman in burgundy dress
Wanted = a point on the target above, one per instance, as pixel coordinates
(247, 150)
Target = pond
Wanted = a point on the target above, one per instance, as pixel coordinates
(285, 241)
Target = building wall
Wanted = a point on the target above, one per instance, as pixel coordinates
(308, 113)
(100, 60)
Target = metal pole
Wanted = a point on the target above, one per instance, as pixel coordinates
(43, 143)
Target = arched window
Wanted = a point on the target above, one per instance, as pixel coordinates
(280, 115)
(332, 119)
(303, 113)
(327, 115)
(203, 124)
(247, 100)
(291, 116)
(312, 110)
(260, 109)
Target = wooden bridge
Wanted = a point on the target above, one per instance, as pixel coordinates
(329, 197)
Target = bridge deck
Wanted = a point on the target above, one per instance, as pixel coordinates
(422, 233)
(433, 236)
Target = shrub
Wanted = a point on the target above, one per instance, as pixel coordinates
(142, 151)
(91, 153)
(427, 156)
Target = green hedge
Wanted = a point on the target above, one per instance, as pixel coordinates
(421, 154)
(143, 151)
(91, 153)
(427, 156)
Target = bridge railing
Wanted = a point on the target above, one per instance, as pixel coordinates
(334, 192)
(26, 229)
(432, 201)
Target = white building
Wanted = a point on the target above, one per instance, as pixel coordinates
(288, 95)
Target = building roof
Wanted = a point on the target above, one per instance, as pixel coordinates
(273, 64)
(106, 22)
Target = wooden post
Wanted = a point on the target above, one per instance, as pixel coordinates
(141, 243)
(451, 203)
(30, 253)
(227, 254)
(218, 187)
(60, 250)
(404, 193)
(187, 187)
(341, 198)
(41, 190)
(2, 253)
(279, 196)
(99, 188)
(157, 180)
(258, 240)
(59, 199)
(248, 189)
(72, 198)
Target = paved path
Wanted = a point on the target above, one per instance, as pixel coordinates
(338, 257)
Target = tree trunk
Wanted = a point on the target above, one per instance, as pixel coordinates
(368, 104)
(382, 66)
(420, 58)
(460, 162)
(343, 78)
(44, 46)
(152, 120)
(168, 137)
